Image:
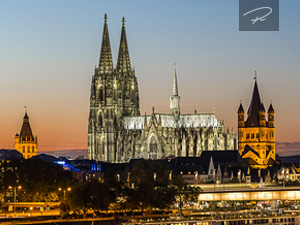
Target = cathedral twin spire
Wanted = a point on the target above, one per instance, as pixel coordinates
(123, 64)
(105, 61)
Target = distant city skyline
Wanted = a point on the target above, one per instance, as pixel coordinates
(49, 50)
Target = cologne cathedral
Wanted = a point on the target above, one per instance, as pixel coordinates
(117, 132)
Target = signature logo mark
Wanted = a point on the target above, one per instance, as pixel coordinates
(263, 18)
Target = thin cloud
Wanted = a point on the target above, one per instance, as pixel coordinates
(288, 148)
(72, 153)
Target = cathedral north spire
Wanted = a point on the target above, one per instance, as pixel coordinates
(123, 64)
(105, 61)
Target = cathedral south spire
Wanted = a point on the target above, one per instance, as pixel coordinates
(105, 61)
(123, 64)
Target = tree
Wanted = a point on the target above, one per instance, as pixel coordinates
(39, 180)
(186, 193)
(151, 186)
(145, 186)
(89, 195)
(183, 192)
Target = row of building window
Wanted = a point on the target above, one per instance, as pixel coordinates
(28, 149)
(256, 135)
(188, 178)
(281, 221)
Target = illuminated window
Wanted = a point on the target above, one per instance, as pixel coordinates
(257, 135)
(32, 149)
(247, 135)
(23, 149)
(252, 135)
(28, 149)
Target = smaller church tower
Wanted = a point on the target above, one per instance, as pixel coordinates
(175, 98)
(256, 133)
(25, 142)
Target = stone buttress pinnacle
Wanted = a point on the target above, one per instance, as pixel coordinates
(123, 64)
(105, 61)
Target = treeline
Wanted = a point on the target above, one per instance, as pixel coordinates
(146, 185)
(33, 180)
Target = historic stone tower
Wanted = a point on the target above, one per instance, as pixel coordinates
(26, 143)
(114, 94)
(256, 135)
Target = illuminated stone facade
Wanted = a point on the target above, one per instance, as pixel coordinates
(257, 134)
(25, 142)
(117, 132)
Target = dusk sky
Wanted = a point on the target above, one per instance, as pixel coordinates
(49, 49)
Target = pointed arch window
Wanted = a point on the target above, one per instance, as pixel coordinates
(101, 95)
(100, 120)
(153, 147)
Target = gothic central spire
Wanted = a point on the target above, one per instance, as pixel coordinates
(175, 86)
(123, 64)
(105, 61)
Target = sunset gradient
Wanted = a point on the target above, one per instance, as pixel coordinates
(49, 49)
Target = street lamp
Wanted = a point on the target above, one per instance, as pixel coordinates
(14, 189)
(65, 191)
(239, 177)
(285, 174)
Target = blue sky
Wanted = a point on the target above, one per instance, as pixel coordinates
(48, 51)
